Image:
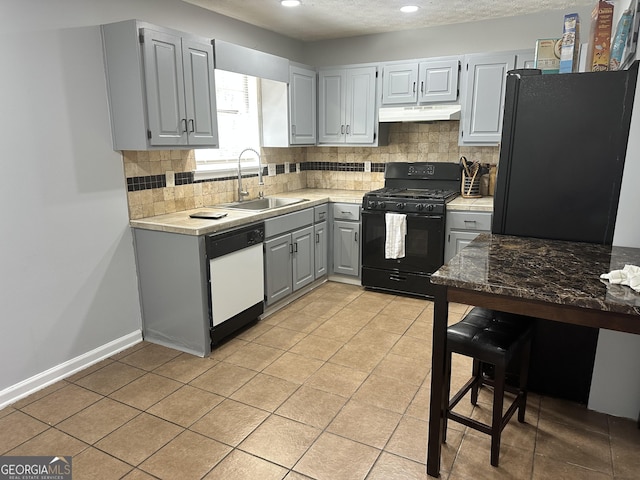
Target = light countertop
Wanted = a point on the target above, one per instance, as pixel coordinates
(180, 222)
(483, 204)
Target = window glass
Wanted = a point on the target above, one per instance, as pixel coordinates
(238, 126)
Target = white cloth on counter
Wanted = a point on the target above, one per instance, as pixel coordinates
(396, 230)
(629, 276)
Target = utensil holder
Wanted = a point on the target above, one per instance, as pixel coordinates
(470, 187)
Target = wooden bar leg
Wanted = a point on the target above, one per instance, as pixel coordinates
(496, 421)
(438, 403)
(447, 393)
(524, 378)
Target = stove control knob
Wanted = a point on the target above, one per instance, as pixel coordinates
(372, 204)
(420, 206)
(430, 208)
(401, 205)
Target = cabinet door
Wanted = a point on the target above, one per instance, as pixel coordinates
(399, 84)
(456, 241)
(302, 106)
(483, 106)
(346, 248)
(200, 98)
(277, 268)
(320, 232)
(331, 101)
(438, 81)
(303, 257)
(165, 88)
(361, 104)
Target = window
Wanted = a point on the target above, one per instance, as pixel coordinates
(238, 127)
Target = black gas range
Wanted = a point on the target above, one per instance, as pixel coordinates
(417, 193)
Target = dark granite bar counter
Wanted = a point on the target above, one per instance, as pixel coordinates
(545, 279)
(550, 271)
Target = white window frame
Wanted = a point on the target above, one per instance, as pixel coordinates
(223, 161)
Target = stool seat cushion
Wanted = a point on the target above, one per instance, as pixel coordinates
(488, 335)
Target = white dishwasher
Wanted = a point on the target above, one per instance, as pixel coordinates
(236, 279)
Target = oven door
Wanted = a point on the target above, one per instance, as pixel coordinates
(424, 243)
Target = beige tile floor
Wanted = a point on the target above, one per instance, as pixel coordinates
(335, 387)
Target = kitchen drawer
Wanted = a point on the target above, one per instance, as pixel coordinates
(469, 221)
(288, 222)
(346, 211)
(321, 213)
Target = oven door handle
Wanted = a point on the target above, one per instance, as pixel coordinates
(412, 215)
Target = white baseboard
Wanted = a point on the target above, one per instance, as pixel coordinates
(22, 389)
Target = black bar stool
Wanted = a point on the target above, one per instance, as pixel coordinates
(493, 338)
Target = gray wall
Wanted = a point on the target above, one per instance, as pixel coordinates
(66, 255)
(512, 33)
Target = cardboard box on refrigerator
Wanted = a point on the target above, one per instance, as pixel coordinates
(547, 57)
(600, 39)
(570, 49)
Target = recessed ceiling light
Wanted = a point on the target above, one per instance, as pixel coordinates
(409, 9)
(289, 3)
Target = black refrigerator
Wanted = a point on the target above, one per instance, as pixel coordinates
(564, 140)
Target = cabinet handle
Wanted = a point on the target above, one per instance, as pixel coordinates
(291, 249)
(342, 129)
(348, 129)
(293, 130)
(356, 237)
(414, 87)
(317, 238)
(295, 247)
(193, 125)
(422, 87)
(184, 124)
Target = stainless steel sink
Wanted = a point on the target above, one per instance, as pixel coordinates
(266, 203)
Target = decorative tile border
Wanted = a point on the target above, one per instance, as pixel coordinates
(143, 183)
(185, 178)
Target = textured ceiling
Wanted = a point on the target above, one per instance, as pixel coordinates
(326, 19)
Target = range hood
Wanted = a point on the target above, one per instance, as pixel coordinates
(423, 113)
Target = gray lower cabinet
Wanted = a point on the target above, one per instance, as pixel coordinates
(346, 239)
(321, 263)
(289, 263)
(174, 290)
(295, 252)
(462, 227)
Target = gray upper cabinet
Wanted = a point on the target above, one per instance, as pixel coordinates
(483, 103)
(420, 82)
(161, 87)
(482, 97)
(347, 111)
(302, 106)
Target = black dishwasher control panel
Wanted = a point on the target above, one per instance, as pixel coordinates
(219, 244)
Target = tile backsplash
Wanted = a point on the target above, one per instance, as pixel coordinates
(162, 181)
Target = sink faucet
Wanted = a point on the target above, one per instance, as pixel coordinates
(243, 193)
